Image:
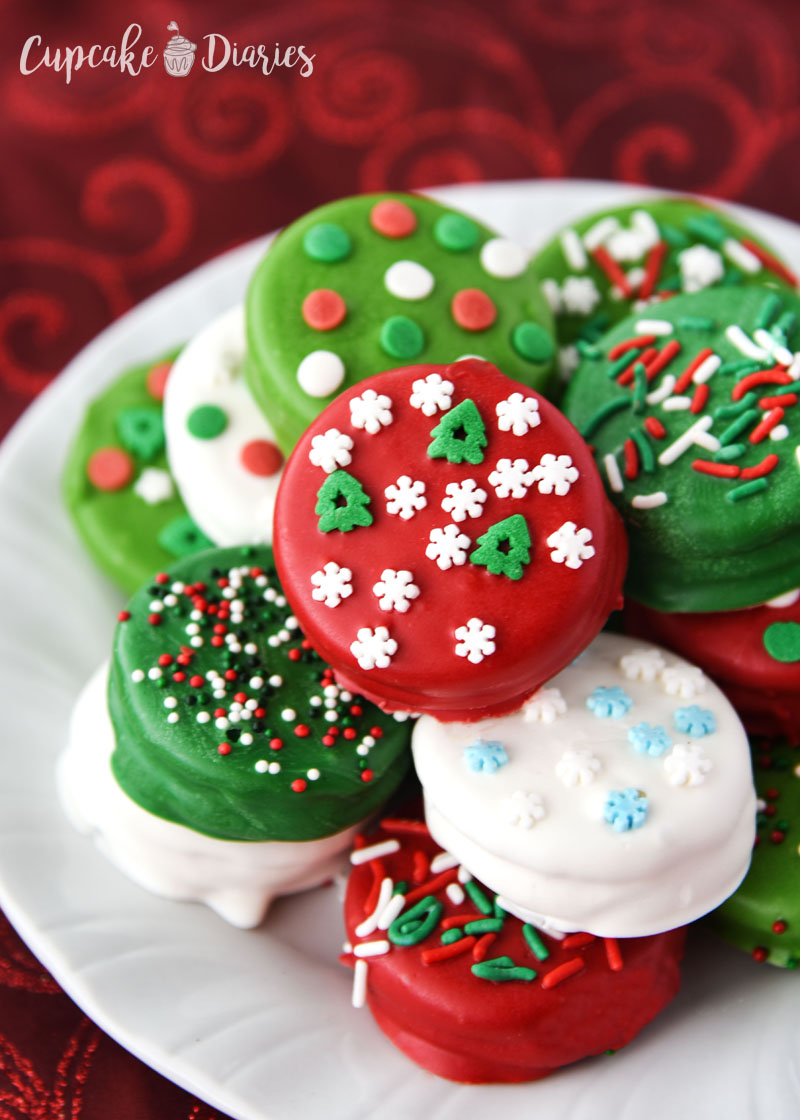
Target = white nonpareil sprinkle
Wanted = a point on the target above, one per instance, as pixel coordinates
(374, 851)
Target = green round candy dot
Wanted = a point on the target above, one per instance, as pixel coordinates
(782, 641)
(456, 233)
(532, 342)
(327, 242)
(401, 337)
(207, 421)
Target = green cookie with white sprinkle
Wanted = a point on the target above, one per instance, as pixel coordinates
(692, 411)
(373, 282)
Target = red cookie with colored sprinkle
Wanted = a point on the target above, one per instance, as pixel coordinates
(475, 995)
(443, 537)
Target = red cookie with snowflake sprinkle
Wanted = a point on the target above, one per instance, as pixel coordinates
(470, 992)
(444, 539)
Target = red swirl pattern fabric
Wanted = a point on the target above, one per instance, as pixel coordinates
(115, 185)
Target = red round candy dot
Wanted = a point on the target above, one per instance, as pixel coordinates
(161, 577)
(224, 748)
(302, 731)
(219, 713)
(230, 674)
(473, 310)
(261, 457)
(179, 676)
(779, 927)
(298, 785)
(376, 732)
(165, 659)
(123, 616)
(196, 682)
(275, 744)
(157, 379)
(294, 654)
(329, 740)
(154, 619)
(217, 641)
(759, 954)
(366, 775)
(323, 309)
(110, 469)
(349, 733)
(392, 218)
(240, 697)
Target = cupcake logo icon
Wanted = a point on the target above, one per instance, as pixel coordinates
(178, 53)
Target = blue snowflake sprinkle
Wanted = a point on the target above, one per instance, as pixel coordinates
(649, 739)
(695, 720)
(484, 758)
(609, 703)
(625, 809)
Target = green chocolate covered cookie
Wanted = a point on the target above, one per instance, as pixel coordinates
(225, 719)
(117, 484)
(378, 281)
(692, 411)
(599, 269)
(763, 915)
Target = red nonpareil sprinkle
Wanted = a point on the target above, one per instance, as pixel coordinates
(179, 676)
(224, 748)
(219, 713)
(259, 713)
(444, 952)
(275, 744)
(217, 641)
(770, 262)
(627, 375)
(421, 867)
(295, 654)
(562, 972)
(481, 948)
(230, 674)
(376, 732)
(432, 885)
(613, 955)
(154, 619)
(328, 741)
(662, 359)
(577, 940)
(223, 582)
(184, 659)
(123, 616)
(349, 733)
(777, 836)
(759, 954)
(685, 379)
(699, 398)
(606, 262)
(775, 376)
(631, 459)
(784, 400)
(333, 729)
(652, 269)
(220, 628)
(161, 577)
(718, 470)
(298, 785)
(772, 794)
(779, 927)
(655, 427)
(302, 731)
(367, 775)
(770, 810)
(196, 682)
(765, 467)
(306, 644)
(240, 697)
(165, 659)
(770, 421)
(356, 710)
(630, 344)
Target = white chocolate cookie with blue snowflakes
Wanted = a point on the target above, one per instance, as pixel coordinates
(617, 800)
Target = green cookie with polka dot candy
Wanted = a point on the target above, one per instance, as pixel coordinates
(763, 915)
(692, 412)
(597, 270)
(376, 281)
(117, 485)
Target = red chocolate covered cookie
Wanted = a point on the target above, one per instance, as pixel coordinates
(754, 656)
(474, 994)
(444, 539)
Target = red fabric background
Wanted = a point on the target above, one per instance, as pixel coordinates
(113, 186)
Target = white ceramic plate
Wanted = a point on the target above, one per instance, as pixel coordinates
(259, 1024)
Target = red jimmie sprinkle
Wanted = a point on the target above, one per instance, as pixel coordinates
(655, 427)
(627, 375)
(719, 470)
(606, 262)
(577, 940)
(630, 344)
(652, 269)
(770, 262)
(613, 954)
(699, 399)
(785, 400)
(480, 950)
(631, 459)
(766, 466)
(562, 972)
(664, 357)
(775, 376)
(421, 867)
(444, 952)
(685, 379)
(770, 421)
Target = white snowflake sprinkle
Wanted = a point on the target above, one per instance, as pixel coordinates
(683, 680)
(546, 706)
(510, 479)
(332, 584)
(579, 295)
(331, 450)
(518, 414)
(371, 411)
(554, 473)
(570, 545)
(576, 768)
(523, 809)
(687, 765)
(568, 361)
(154, 486)
(642, 664)
(464, 499)
(475, 640)
(395, 590)
(431, 394)
(373, 649)
(700, 267)
(448, 546)
(406, 496)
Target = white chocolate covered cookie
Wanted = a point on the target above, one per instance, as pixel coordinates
(617, 800)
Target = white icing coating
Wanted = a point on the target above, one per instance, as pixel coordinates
(570, 865)
(408, 280)
(227, 501)
(237, 879)
(786, 600)
(320, 373)
(503, 258)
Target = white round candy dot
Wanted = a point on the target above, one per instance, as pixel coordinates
(315, 701)
(346, 696)
(312, 774)
(137, 675)
(154, 673)
(408, 280)
(170, 600)
(221, 723)
(219, 693)
(270, 594)
(362, 750)
(196, 641)
(320, 373)
(170, 702)
(203, 717)
(246, 739)
(288, 714)
(177, 587)
(251, 704)
(331, 717)
(212, 674)
(368, 741)
(274, 767)
(330, 690)
(261, 766)
(291, 623)
(173, 717)
(275, 680)
(156, 605)
(256, 682)
(193, 628)
(251, 648)
(280, 600)
(246, 714)
(273, 641)
(503, 258)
